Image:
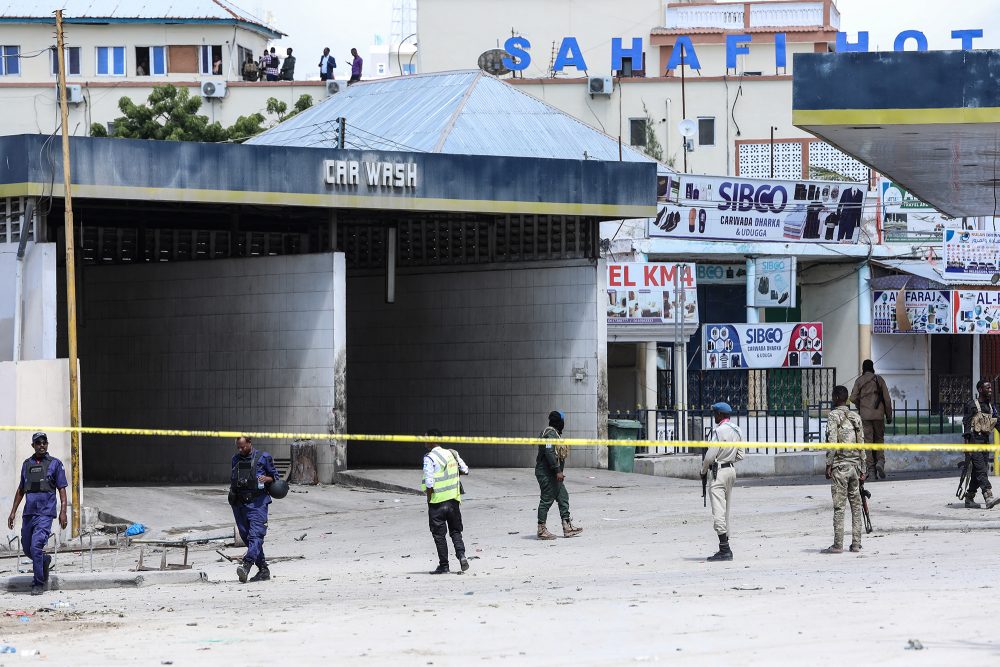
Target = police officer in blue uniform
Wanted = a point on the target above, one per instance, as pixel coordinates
(41, 476)
(252, 471)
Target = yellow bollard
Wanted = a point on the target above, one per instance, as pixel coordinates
(996, 452)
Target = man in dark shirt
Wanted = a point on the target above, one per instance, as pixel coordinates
(356, 65)
(549, 465)
(978, 426)
(288, 67)
(252, 471)
(41, 476)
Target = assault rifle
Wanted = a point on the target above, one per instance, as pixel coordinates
(865, 495)
(704, 486)
(966, 478)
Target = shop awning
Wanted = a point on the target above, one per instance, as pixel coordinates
(928, 120)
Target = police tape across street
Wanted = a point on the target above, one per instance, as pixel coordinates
(957, 447)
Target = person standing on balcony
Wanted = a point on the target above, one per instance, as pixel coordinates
(846, 467)
(978, 426)
(356, 65)
(721, 461)
(871, 396)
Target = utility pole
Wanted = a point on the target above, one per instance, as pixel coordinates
(74, 375)
(773, 128)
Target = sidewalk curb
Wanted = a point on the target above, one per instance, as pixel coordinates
(103, 580)
(355, 479)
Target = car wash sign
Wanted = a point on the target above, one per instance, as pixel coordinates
(652, 293)
(754, 346)
(370, 174)
(721, 208)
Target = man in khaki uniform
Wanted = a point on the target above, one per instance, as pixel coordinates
(846, 467)
(871, 396)
(721, 461)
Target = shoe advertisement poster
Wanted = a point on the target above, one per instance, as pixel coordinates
(743, 209)
(774, 282)
(771, 345)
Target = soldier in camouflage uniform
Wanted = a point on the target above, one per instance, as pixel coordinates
(846, 467)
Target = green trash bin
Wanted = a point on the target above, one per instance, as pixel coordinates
(622, 457)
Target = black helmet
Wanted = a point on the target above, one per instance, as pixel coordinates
(278, 489)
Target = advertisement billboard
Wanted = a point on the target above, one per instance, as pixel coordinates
(971, 255)
(770, 345)
(774, 282)
(647, 293)
(725, 208)
(912, 311)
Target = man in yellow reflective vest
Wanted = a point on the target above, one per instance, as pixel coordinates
(442, 468)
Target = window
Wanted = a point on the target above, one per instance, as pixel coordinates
(72, 57)
(637, 131)
(110, 61)
(380, 68)
(706, 131)
(150, 60)
(628, 68)
(243, 54)
(211, 59)
(183, 59)
(409, 68)
(10, 60)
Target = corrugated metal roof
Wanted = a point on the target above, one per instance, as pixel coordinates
(123, 10)
(465, 112)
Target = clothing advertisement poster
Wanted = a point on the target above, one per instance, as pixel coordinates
(774, 282)
(743, 209)
(647, 293)
(970, 256)
(771, 345)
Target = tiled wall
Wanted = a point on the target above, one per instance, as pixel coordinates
(473, 352)
(235, 344)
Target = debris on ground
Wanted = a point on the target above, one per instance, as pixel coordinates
(914, 645)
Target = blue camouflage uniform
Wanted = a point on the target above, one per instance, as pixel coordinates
(250, 508)
(39, 511)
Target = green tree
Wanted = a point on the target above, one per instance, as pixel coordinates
(652, 148)
(171, 114)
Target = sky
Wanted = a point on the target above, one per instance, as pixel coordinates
(312, 25)
(342, 24)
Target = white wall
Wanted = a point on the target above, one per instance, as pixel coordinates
(35, 394)
(474, 352)
(831, 304)
(487, 25)
(39, 297)
(235, 344)
(902, 359)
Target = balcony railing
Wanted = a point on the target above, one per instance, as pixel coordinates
(731, 16)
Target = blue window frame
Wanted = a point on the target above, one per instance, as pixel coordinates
(72, 61)
(10, 60)
(159, 59)
(110, 61)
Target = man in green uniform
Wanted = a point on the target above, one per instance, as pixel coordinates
(549, 465)
(846, 467)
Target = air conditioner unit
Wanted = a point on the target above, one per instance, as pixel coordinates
(74, 94)
(332, 87)
(600, 85)
(213, 88)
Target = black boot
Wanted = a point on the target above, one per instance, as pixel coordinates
(441, 569)
(970, 501)
(263, 573)
(724, 552)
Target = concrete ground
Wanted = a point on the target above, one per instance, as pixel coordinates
(633, 588)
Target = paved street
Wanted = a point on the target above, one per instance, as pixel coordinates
(633, 588)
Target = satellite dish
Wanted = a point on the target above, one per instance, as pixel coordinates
(491, 62)
(688, 128)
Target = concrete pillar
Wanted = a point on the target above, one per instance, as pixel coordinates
(864, 314)
(753, 315)
(649, 376)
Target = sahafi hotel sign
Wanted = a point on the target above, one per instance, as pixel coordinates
(683, 52)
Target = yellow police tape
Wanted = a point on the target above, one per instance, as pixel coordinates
(484, 440)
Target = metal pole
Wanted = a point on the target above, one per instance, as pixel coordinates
(74, 379)
(684, 112)
(772, 151)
